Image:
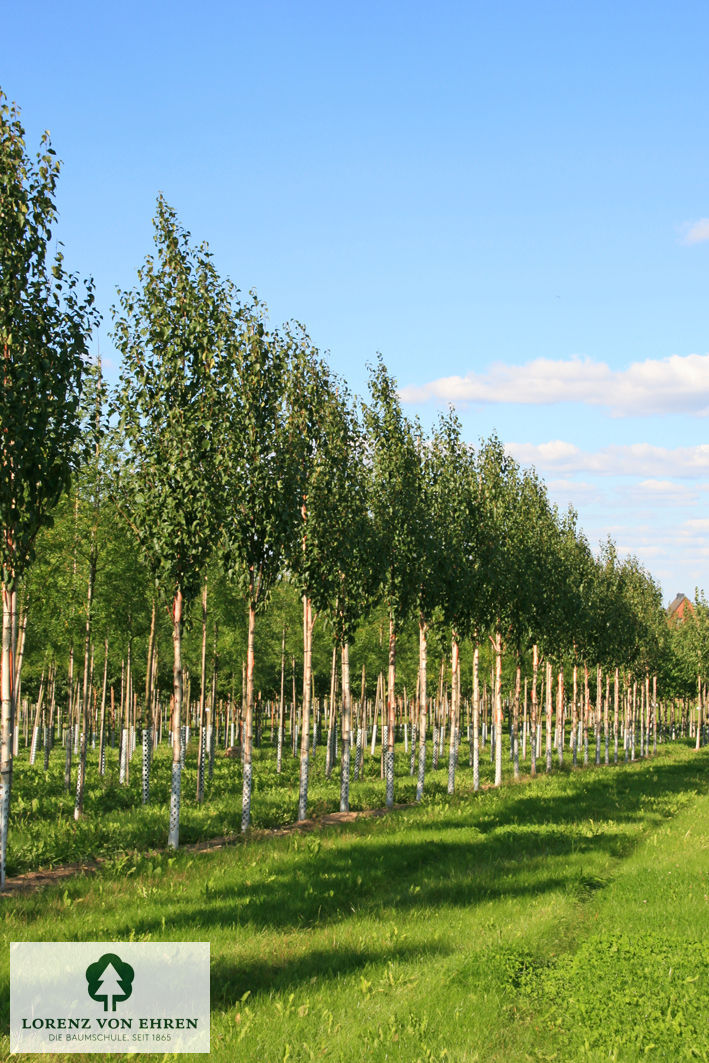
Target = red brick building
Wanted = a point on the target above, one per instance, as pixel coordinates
(679, 608)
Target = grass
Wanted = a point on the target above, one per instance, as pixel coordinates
(43, 832)
(562, 919)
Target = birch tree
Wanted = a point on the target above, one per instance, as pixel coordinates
(46, 318)
(456, 561)
(172, 331)
(334, 562)
(263, 434)
(395, 495)
(534, 579)
(648, 627)
(93, 435)
(499, 491)
(430, 559)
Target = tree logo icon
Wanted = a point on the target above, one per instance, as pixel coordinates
(110, 980)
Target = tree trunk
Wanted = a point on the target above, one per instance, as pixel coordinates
(331, 717)
(423, 705)
(533, 721)
(606, 702)
(14, 722)
(147, 714)
(548, 694)
(476, 716)
(615, 717)
(49, 730)
(597, 722)
(37, 720)
(346, 731)
(575, 716)
(281, 705)
(102, 725)
(498, 708)
(126, 712)
(455, 711)
(202, 735)
(361, 725)
(173, 840)
(6, 673)
(69, 720)
(391, 717)
(84, 723)
(515, 720)
(307, 695)
(213, 708)
(18, 650)
(586, 713)
(626, 714)
(560, 717)
(248, 726)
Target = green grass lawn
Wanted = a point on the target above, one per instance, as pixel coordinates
(562, 919)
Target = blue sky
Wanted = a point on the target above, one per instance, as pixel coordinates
(508, 201)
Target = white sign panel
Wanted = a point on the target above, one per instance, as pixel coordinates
(109, 996)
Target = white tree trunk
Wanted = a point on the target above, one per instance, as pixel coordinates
(549, 696)
(174, 832)
(515, 720)
(391, 717)
(307, 693)
(248, 729)
(6, 672)
(281, 705)
(498, 708)
(455, 712)
(423, 706)
(476, 716)
(346, 731)
(533, 721)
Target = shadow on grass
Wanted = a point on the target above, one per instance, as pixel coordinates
(597, 793)
(515, 842)
(375, 881)
(231, 979)
(520, 844)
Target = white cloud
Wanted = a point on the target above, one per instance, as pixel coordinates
(697, 232)
(662, 487)
(566, 490)
(657, 492)
(669, 385)
(567, 483)
(635, 459)
(641, 551)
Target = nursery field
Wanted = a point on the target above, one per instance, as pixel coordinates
(565, 918)
(43, 832)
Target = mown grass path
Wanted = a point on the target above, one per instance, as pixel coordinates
(566, 919)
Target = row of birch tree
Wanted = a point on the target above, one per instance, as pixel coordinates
(229, 447)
